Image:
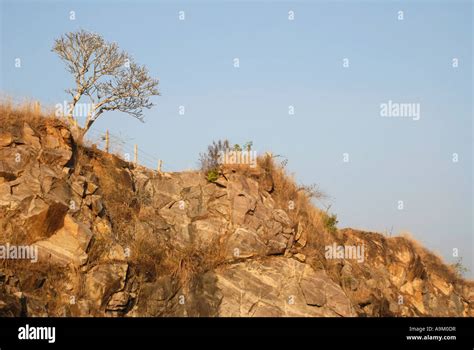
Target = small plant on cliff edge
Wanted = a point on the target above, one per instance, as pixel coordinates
(330, 222)
(210, 161)
(212, 175)
(459, 268)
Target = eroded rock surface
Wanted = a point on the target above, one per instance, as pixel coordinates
(119, 240)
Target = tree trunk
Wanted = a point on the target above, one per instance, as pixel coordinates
(77, 133)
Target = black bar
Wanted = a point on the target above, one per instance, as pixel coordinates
(366, 331)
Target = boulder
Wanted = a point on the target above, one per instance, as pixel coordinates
(277, 287)
(91, 188)
(79, 186)
(95, 203)
(243, 243)
(204, 232)
(300, 257)
(6, 139)
(68, 245)
(102, 281)
(115, 253)
(60, 191)
(118, 302)
(5, 194)
(174, 214)
(43, 219)
(30, 137)
(16, 158)
(56, 157)
(241, 205)
(282, 217)
(277, 245)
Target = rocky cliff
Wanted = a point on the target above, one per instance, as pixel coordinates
(120, 240)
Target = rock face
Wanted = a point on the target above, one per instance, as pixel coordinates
(68, 244)
(277, 286)
(118, 240)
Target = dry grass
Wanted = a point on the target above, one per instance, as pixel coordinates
(9, 230)
(434, 261)
(146, 255)
(192, 261)
(13, 115)
(287, 194)
(42, 279)
(152, 257)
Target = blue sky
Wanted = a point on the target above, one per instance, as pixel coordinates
(283, 63)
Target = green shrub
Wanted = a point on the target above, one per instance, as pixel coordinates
(330, 222)
(211, 161)
(212, 175)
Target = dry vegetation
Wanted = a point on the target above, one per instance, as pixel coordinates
(38, 279)
(296, 200)
(13, 115)
(151, 255)
(287, 194)
(450, 272)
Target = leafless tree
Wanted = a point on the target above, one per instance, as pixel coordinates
(106, 75)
